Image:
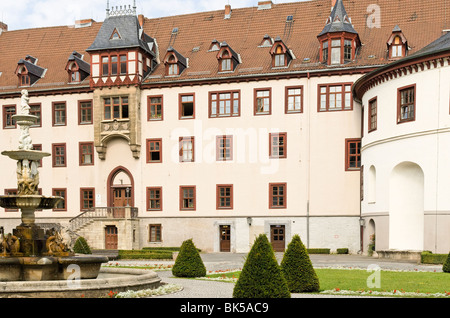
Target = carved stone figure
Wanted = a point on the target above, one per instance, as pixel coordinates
(27, 178)
(55, 244)
(25, 107)
(9, 245)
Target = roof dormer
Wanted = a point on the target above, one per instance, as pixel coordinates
(281, 55)
(228, 58)
(397, 44)
(77, 68)
(175, 62)
(28, 71)
(339, 41)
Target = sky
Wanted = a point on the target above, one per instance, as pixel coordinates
(24, 14)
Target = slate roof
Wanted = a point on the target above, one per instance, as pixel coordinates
(339, 21)
(421, 21)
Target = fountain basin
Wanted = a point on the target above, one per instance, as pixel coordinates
(30, 155)
(29, 202)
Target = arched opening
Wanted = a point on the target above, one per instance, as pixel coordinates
(372, 193)
(120, 188)
(372, 238)
(406, 207)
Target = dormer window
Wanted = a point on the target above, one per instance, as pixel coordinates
(24, 80)
(115, 35)
(266, 42)
(281, 56)
(228, 59)
(28, 71)
(175, 63)
(74, 74)
(215, 46)
(397, 44)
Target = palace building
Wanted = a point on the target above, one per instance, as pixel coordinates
(323, 118)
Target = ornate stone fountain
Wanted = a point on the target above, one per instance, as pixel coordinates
(30, 253)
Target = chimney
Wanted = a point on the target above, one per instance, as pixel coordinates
(141, 20)
(3, 27)
(227, 11)
(264, 5)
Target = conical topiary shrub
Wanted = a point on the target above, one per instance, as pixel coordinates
(81, 246)
(188, 262)
(297, 268)
(261, 276)
(446, 267)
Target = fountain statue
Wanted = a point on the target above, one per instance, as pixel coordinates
(30, 253)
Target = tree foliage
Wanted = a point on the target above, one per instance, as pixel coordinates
(188, 262)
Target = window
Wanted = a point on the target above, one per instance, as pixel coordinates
(85, 112)
(373, 114)
(352, 154)
(8, 113)
(406, 104)
(155, 108)
(87, 197)
(336, 51)
(263, 102)
(86, 153)
(11, 192)
(59, 155)
(186, 149)
(187, 106)
(277, 195)
(74, 74)
(226, 63)
(25, 80)
(278, 145)
(59, 114)
(35, 110)
(279, 57)
(325, 52)
(224, 145)
(187, 198)
(348, 47)
(38, 147)
(105, 66)
(397, 48)
(116, 108)
(335, 97)
(172, 66)
(154, 150)
(155, 231)
(294, 99)
(224, 197)
(224, 104)
(62, 205)
(154, 199)
(123, 65)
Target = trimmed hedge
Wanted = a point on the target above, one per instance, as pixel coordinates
(261, 276)
(318, 251)
(430, 258)
(189, 263)
(446, 267)
(81, 246)
(145, 254)
(342, 251)
(297, 268)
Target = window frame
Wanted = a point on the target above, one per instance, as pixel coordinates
(271, 145)
(149, 142)
(343, 93)
(218, 101)
(55, 155)
(181, 115)
(219, 152)
(284, 196)
(160, 199)
(219, 197)
(287, 96)
(157, 227)
(37, 113)
(400, 120)
(181, 143)
(150, 105)
(7, 116)
(82, 109)
(56, 193)
(112, 106)
(83, 199)
(256, 98)
(372, 111)
(56, 114)
(348, 155)
(38, 147)
(81, 145)
(182, 198)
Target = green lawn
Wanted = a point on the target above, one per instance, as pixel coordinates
(356, 280)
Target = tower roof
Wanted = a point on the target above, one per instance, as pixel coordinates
(338, 21)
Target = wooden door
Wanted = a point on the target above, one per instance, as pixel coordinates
(225, 238)
(121, 199)
(111, 238)
(278, 237)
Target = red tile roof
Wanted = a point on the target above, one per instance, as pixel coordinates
(420, 21)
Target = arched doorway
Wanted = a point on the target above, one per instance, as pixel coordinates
(406, 207)
(120, 189)
(372, 239)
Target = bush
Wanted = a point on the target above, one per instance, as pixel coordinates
(81, 246)
(261, 276)
(318, 251)
(297, 268)
(189, 263)
(446, 267)
(428, 257)
(145, 254)
(342, 251)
